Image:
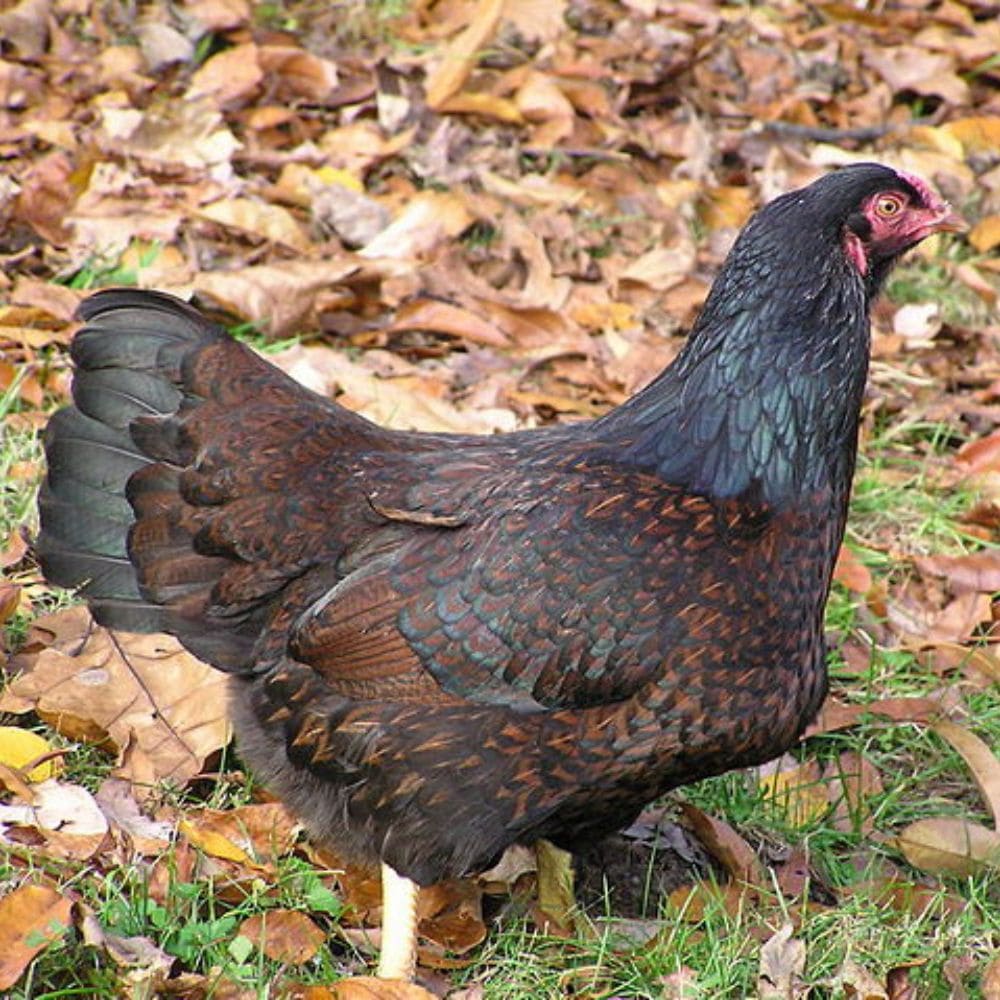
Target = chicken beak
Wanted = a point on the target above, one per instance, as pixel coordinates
(947, 220)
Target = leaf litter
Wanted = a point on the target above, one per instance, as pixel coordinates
(479, 216)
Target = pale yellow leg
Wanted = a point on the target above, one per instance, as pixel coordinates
(398, 958)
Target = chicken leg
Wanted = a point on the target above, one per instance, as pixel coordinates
(398, 956)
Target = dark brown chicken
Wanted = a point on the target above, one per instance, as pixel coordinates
(441, 645)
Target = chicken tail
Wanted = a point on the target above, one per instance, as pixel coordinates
(153, 506)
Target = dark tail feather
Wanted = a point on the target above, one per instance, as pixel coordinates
(128, 364)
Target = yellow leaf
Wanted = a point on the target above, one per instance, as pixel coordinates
(939, 139)
(794, 790)
(488, 105)
(334, 175)
(985, 234)
(20, 746)
(727, 207)
(214, 843)
(977, 135)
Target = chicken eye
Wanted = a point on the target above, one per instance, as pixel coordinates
(889, 205)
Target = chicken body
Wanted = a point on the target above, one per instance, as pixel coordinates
(441, 645)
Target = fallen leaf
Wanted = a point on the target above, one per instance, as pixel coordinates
(982, 762)
(836, 715)
(258, 218)
(146, 836)
(19, 747)
(286, 936)
(850, 571)
(978, 571)
(443, 317)
(67, 817)
(458, 59)
(427, 219)
(782, 963)
(859, 984)
(144, 688)
(253, 835)
(981, 454)
(985, 234)
(32, 917)
(991, 979)
(949, 845)
(228, 76)
(556, 899)
(794, 790)
(277, 298)
(725, 845)
(370, 988)
(136, 952)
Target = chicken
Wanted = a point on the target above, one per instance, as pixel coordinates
(440, 645)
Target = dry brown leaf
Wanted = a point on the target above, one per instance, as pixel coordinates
(10, 599)
(836, 715)
(542, 22)
(782, 962)
(978, 571)
(692, 903)
(258, 218)
(450, 915)
(297, 73)
(389, 402)
(985, 234)
(850, 571)
(116, 799)
(991, 979)
(556, 899)
(31, 918)
(231, 75)
(218, 15)
(459, 57)
(859, 984)
(539, 100)
(369, 988)
(949, 845)
(129, 952)
(725, 845)
(977, 134)
(443, 317)
(189, 133)
(906, 67)
(278, 298)
(428, 219)
(980, 455)
(727, 207)
(141, 688)
(982, 762)
(286, 936)
(66, 816)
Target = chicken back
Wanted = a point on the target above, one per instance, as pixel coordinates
(441, 645)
